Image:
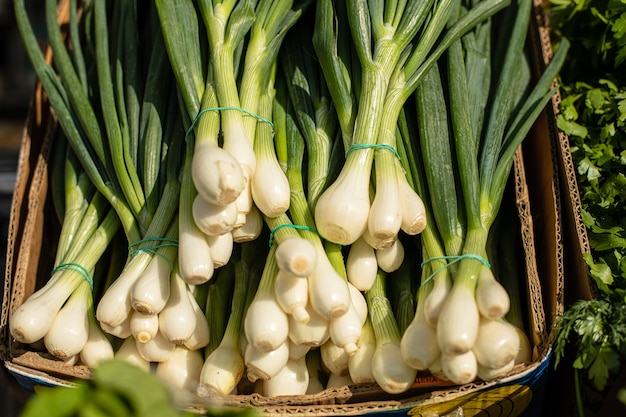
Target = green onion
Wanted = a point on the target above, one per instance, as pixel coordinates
(227, 347)
(391, 68)
(484, 155)
(126, 151)
(328, 291)
(217, 308)
(265, 322)
(418, 346)
(257, 189)
(313, 108)
(389, 369)
(33, 319)
(269, 185)
(431, 240)
(65, 98)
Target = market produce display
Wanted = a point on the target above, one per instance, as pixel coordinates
(284, 189)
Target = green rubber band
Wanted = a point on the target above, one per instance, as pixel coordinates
(208, 109)
(455, 259)
(153, 249)
(294, 226)
(73, 266)
(170, 241)
(358, 146)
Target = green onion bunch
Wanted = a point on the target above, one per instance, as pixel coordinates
(272, 196)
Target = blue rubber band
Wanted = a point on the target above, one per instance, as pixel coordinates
(455, 259)
(208, 109)
(73, 266)
(358, 146)
(294, 226)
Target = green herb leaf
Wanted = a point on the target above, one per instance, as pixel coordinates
(569, 127)
(147, 394)
(600, 271)
(606, 361)
(56, 402)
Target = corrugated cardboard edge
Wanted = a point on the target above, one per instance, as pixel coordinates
(25, 231)
(346, 400)
(536, 305)
(574, 232)
(41, 378)
(547, 200)
(25, 240)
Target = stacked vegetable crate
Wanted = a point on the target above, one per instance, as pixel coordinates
(532, 196)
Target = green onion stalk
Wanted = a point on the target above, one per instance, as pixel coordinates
(222, 65)
(393, 41)
(216, 309)
(269, 186)
(430, 237)
(339, 64)
(481, 154)
(122, 135)
(402, 294)
(243, 41)
(329, 294)
(156, 155)
(226, 344)
(115, 305)
(61, 312)
(389, 368)
(227, 23)
(196, 257)
(312, 107)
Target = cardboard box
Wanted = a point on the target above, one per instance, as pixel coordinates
(574, 233)
(536, 193)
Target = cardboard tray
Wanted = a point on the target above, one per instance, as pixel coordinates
(536, 199)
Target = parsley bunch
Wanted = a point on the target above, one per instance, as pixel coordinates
(593, 115)
(601, 344)
(598, 29)
(594, 118)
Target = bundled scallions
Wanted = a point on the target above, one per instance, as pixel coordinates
(61, 312)
(124, 137)
(285, 196)
(470, 313)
